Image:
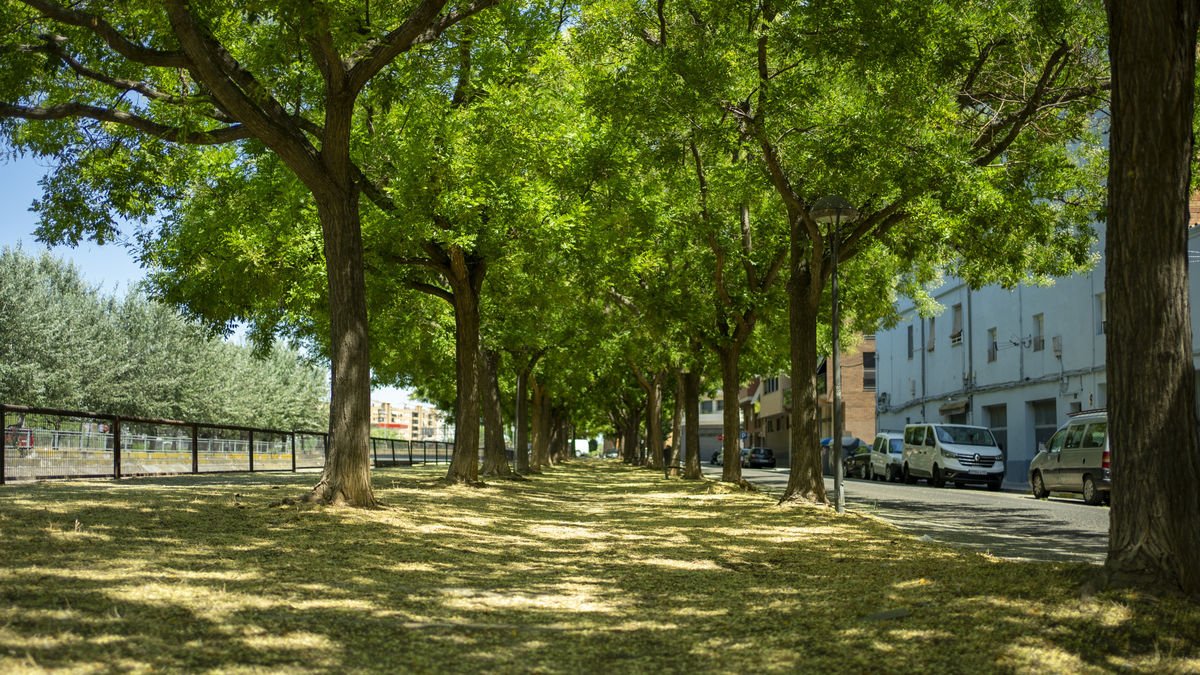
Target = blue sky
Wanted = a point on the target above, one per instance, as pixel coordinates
(109, 267)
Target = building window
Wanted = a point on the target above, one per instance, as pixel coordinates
(1101, 314)
(720, 404)
(992, 346)
(770, 385)
(706, 407)
(1039, 332)
(910, 341)
(956, 330)
(868, 371)
(932, 333)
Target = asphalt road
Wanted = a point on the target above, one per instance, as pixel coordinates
(1005, 524)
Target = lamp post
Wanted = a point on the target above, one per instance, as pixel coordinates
(832, 210)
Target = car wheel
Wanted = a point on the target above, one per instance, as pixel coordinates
(713, 459)
(891, 473)
(1039, 486)
(1091, 494)
(908, 477)
(936, 479)
(870, 472)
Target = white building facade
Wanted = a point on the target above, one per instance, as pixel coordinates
(1017, 361)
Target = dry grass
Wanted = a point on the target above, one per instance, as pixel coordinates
(593, 567)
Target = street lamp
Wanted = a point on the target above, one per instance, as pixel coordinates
(832, 210)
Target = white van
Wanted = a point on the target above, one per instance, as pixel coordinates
(952, 452)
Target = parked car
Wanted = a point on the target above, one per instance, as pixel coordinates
(887, 457)
(855, 456)
(718, 457)
(958, 453)
(758, 458)
(1077, 459)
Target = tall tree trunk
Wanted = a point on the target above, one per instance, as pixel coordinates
(654, 435)
(522, 422)
(633, 417)
(541, 426)
(805, 481)
(730, 386)
(672, 467)
(346, 478)
(1154, 531)
(495, 458)
(466, 279)
(691, 412)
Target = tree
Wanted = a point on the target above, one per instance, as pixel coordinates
(1154, 535)
(129, 81)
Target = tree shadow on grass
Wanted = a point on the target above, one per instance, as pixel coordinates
(586, 568)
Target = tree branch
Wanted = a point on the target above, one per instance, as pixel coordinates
(105, 31)
(173, 134)
(421, 26)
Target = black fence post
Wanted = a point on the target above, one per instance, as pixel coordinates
(250, 445)
(374, 453)
(293, 452)
(195, 448)
(410, 459)
(3, 442)
(116, 447)
(326, 436)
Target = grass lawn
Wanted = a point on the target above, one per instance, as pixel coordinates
(591, 567)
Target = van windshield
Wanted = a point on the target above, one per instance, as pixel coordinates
(896, 445)
(965, 435)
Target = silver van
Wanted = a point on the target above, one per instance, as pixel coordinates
(1076, 459)
(957, 453)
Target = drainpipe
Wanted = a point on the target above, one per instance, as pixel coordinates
(970, 383)
(922, 346)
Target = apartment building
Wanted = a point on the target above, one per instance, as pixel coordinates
(413, 422)
(1017, 361)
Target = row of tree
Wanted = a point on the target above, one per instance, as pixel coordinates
(64, 344)
(580, 209)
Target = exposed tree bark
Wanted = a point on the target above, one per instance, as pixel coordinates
(633, 417)
(465, 275)
(691, 411)
(495, 457)
(652, 386)
(805, 481)
(522, 422)
(541, 426)
(672, 457)
(1154, 532)
(731, 452)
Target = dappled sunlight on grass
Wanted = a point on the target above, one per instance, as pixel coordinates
(587, 567)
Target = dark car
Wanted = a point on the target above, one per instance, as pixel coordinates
(856, 457)
(758, 458)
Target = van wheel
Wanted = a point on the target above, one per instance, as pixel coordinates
(1091, 495)
(935, 479)
(869, 472)
(908, 477)
(1039, 486)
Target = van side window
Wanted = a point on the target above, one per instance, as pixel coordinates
(929, 437)
(914, 435)
(1074, 437)
(1095, 436)
(1056, 441)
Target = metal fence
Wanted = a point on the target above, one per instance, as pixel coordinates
(45, 443)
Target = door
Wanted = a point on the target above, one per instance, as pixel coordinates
(1051, 467)
(1070, 471)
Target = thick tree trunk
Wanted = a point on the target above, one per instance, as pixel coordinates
(629, 453)
(805, 481)
(691, 411)
(495, 459)
(654, 435)
(465, 280)
(672, 454)
(730, 387)
(522, 421)
(346, 478)
(1154, 532)
(541, 426)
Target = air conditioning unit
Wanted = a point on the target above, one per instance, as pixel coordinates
(1056, 345)
(884, 398)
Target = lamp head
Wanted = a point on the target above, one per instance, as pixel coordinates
(833, 209)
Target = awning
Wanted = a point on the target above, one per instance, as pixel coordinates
(954, 407)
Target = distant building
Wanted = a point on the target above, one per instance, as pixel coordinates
(767, 403)
(414, 422)
(712, 412)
